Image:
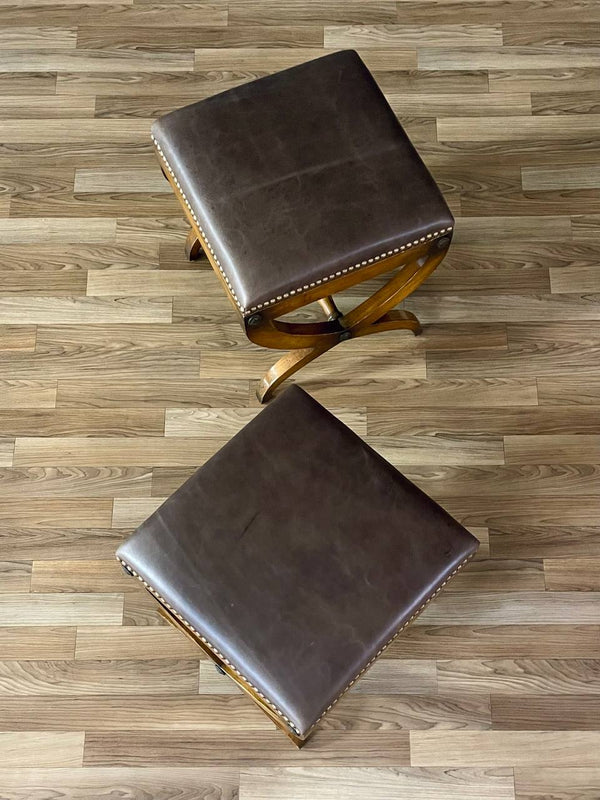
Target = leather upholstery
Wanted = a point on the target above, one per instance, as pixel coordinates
(298, 552)
(298, 175)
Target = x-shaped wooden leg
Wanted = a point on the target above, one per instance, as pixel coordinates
(374, 315)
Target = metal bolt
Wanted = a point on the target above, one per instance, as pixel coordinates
(255, 320)
(443, 242)
(345, 335)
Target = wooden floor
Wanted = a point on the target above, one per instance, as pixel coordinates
(122, 368)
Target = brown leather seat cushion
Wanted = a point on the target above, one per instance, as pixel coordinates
(297, 552)
(298, 176)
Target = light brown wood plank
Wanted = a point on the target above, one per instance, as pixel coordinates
(185, 713)
(55, 229)
(73, 422)
(584, 280)
(377, 783)
(32, 749)
(78, 576)
(100, 450)
(514, 58)
(98, 678)
(111, 13)
(80, 784)
(27, 643)
(133, 643)
(55, 511)
(17, 337)
(27, 542)
(15, 576)
(192, 748)
(571, 783)
(7, 447)
(256, 59)
(563, 448)
(563, 177)
(402, 35)
(566, 713)
(182, 39)
(497, 641)
(60, 609)
(49, 310)
(226, 422)
(572, 574)
(520, 677)
(159, 393)
(528, 540)
(457, 129)
(75, 481)
(569, 391)
(105, 60)
(276, 12)
(497, 748)
(521, 608)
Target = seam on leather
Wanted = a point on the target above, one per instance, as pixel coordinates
(307, 286)
(280, 713)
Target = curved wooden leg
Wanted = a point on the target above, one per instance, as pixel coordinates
(392, 321)
(193, 248)
(288, 364)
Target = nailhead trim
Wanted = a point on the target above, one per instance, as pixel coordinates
(245, 679)
(389, 641)
(300, 289)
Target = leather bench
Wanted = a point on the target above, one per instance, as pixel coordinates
(294, 557)
(298, 186)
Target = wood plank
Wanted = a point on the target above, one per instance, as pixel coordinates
(403, 35)
(28, 542)
(100, 450)
(55, 511)
(81, 784)
(155, 393)
(140, 38)
(36, 642)
(514, 58)
(520, 608)
(572, 783)
(144, 713)
(566, 713)
(82, 310)
(377, 783)
(561, 177)
(435, 449)
(55, 229)
(497, 641)
(544, 541)
(199, 748)
(98, 678)
(17, 337)
(497, 748)
(60, 609)
(493, 129)
(267, 60)
(535, 449)
(572, 574)
(569, 391)
(15, 576)
(75, 482)
(27, 394)
(39, 749)
(78, 576)
(225, 422)
(104, 60)
(582, 280)
(110, 13)
(520, 677)
(331, 12)
(73, 422)
(133, 643)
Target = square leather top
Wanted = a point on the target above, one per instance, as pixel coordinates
(298, 553)
(298, 176)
